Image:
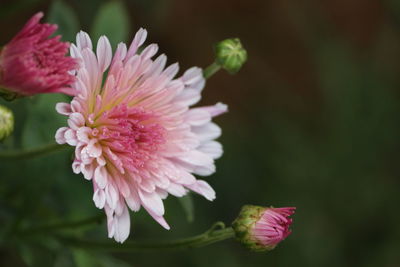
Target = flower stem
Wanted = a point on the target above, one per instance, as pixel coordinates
(29, 153)
(64, 225)
(211, 70)
(211, 236)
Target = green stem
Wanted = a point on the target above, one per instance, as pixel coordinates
(211, 70)
(63, 225)
(209, 237)
(29, 153)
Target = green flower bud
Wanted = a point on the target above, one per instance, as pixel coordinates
(260, 228)
(230, 55)
(6, 122)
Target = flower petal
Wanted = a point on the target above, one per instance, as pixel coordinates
(104, 53)
(152, 202)
(63, 108)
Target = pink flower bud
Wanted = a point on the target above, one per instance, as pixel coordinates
(260, 228)
(33, 63)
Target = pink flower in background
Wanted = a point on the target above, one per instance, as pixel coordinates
(136, 138)
(32, 63)
(273, 226)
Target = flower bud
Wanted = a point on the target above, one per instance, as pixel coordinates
(230, 55)
(260, 228)
(6, 122)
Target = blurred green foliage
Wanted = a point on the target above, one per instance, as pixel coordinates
(188, 207)
(111, 21)
(334, 155)
(64, 16)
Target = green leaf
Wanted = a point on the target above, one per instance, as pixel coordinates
(84, 258)
(37, 255)
(42, 120)
(188, 207)
(64, 16)
(112, 20)
(64, 258)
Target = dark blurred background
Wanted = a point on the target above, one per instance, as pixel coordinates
(313, 123)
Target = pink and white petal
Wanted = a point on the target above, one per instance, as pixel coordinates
(152, 202)
(139, 39)
(122, 226)
(101, 161)
(94, 149)
(133, 201)
(60, 135)
(204, 170)
(63, 108)
(123, 186)
(84, 155)
(88, 170)
(83, 85)
(188, 97)
(196, 158)
(171, 70)
(197, 117)
(76, 120)
(207, 132)
(76, 166)
(149, 51)
(212, 148)
(99, 198)
(83, 41)
(76, 106)
(101, 176)
(75, 52)
(216, 109)
(161, 181)
(176, 190)
(192, 75)
(111, 196)
(158, 65)
(92, 67)
(120, 207)
(83, 134)
(162, 193)
(198, 85)
(159, 219)
(104, 53)
(70, 137)
(186, 178)
(203, 188)
(147, 184)
(121, 51)
(110, 222)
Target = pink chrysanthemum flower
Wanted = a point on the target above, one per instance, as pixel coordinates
(136, 138)
(261, 228)
(32, 63)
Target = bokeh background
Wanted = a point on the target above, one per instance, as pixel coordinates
(313, 123)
